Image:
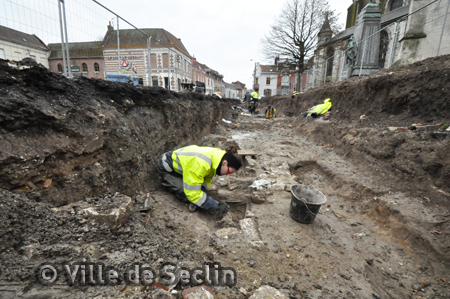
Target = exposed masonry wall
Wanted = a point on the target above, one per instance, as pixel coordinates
(428, 21)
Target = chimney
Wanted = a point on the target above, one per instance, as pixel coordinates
(110, 28)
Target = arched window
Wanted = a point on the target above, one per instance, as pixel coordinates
(60, 69)
(84, 66)
(396, 4)
(330, 56)
(384, 43)
(96, 67)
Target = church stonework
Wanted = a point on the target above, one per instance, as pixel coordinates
(400, 39)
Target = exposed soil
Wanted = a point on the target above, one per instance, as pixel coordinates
(382, 233)
(105, 204)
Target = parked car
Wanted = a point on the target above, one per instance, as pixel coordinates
(200, 87)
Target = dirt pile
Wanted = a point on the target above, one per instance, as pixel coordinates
(64, 140)
(371, 121)
(399, 96)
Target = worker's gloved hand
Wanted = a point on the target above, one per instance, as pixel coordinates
(222, 209)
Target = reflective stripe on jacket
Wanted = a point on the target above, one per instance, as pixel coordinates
(321, 108)
(198, 166)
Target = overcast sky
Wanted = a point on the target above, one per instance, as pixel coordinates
(223, 34)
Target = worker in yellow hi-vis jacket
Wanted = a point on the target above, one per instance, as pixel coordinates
(187, 172)
(320, 109)
(270, 111)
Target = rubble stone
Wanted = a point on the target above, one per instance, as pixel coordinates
(226, 233)
(249, 228)
(265, 292)
(200, 292)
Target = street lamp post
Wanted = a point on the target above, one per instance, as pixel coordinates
(254, 76)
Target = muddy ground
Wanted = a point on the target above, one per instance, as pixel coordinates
(383, 232)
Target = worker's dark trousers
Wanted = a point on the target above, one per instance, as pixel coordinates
(174, 184)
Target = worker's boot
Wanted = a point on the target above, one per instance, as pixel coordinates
(192, 207)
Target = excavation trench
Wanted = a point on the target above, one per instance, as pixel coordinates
(69, 145)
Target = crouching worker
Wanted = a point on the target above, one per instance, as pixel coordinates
(187, 172)
(252, 107)
(270, 111)
(320, 109)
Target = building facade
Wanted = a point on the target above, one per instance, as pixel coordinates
(213, 80)
(277, 79)
(170, 62)
(240, 88)
(198, 73)
(265, 78)
(231, 91)
(380, 34)
(16, 45)
(86, 59)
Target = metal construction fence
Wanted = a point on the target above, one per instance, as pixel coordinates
(54, 21)
(58, 23)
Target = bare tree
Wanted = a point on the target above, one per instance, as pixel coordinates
(294, 35)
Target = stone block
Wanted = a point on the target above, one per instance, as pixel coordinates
(248, 226)
(200, 292)
(115, 216)
(265, 292)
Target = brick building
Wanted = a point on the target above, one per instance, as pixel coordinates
(86, 59)
(170, 61)
(213, 80)
(240, 88)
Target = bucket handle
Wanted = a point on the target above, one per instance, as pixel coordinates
(306, 205)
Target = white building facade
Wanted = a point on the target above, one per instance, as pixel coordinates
(16, 45)
(265, 79)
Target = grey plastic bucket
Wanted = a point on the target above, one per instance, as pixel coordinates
(305, 203)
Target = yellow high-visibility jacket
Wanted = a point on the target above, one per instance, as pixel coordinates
(255, 95)
(270, 112)
(198, 166)
(322, 108)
